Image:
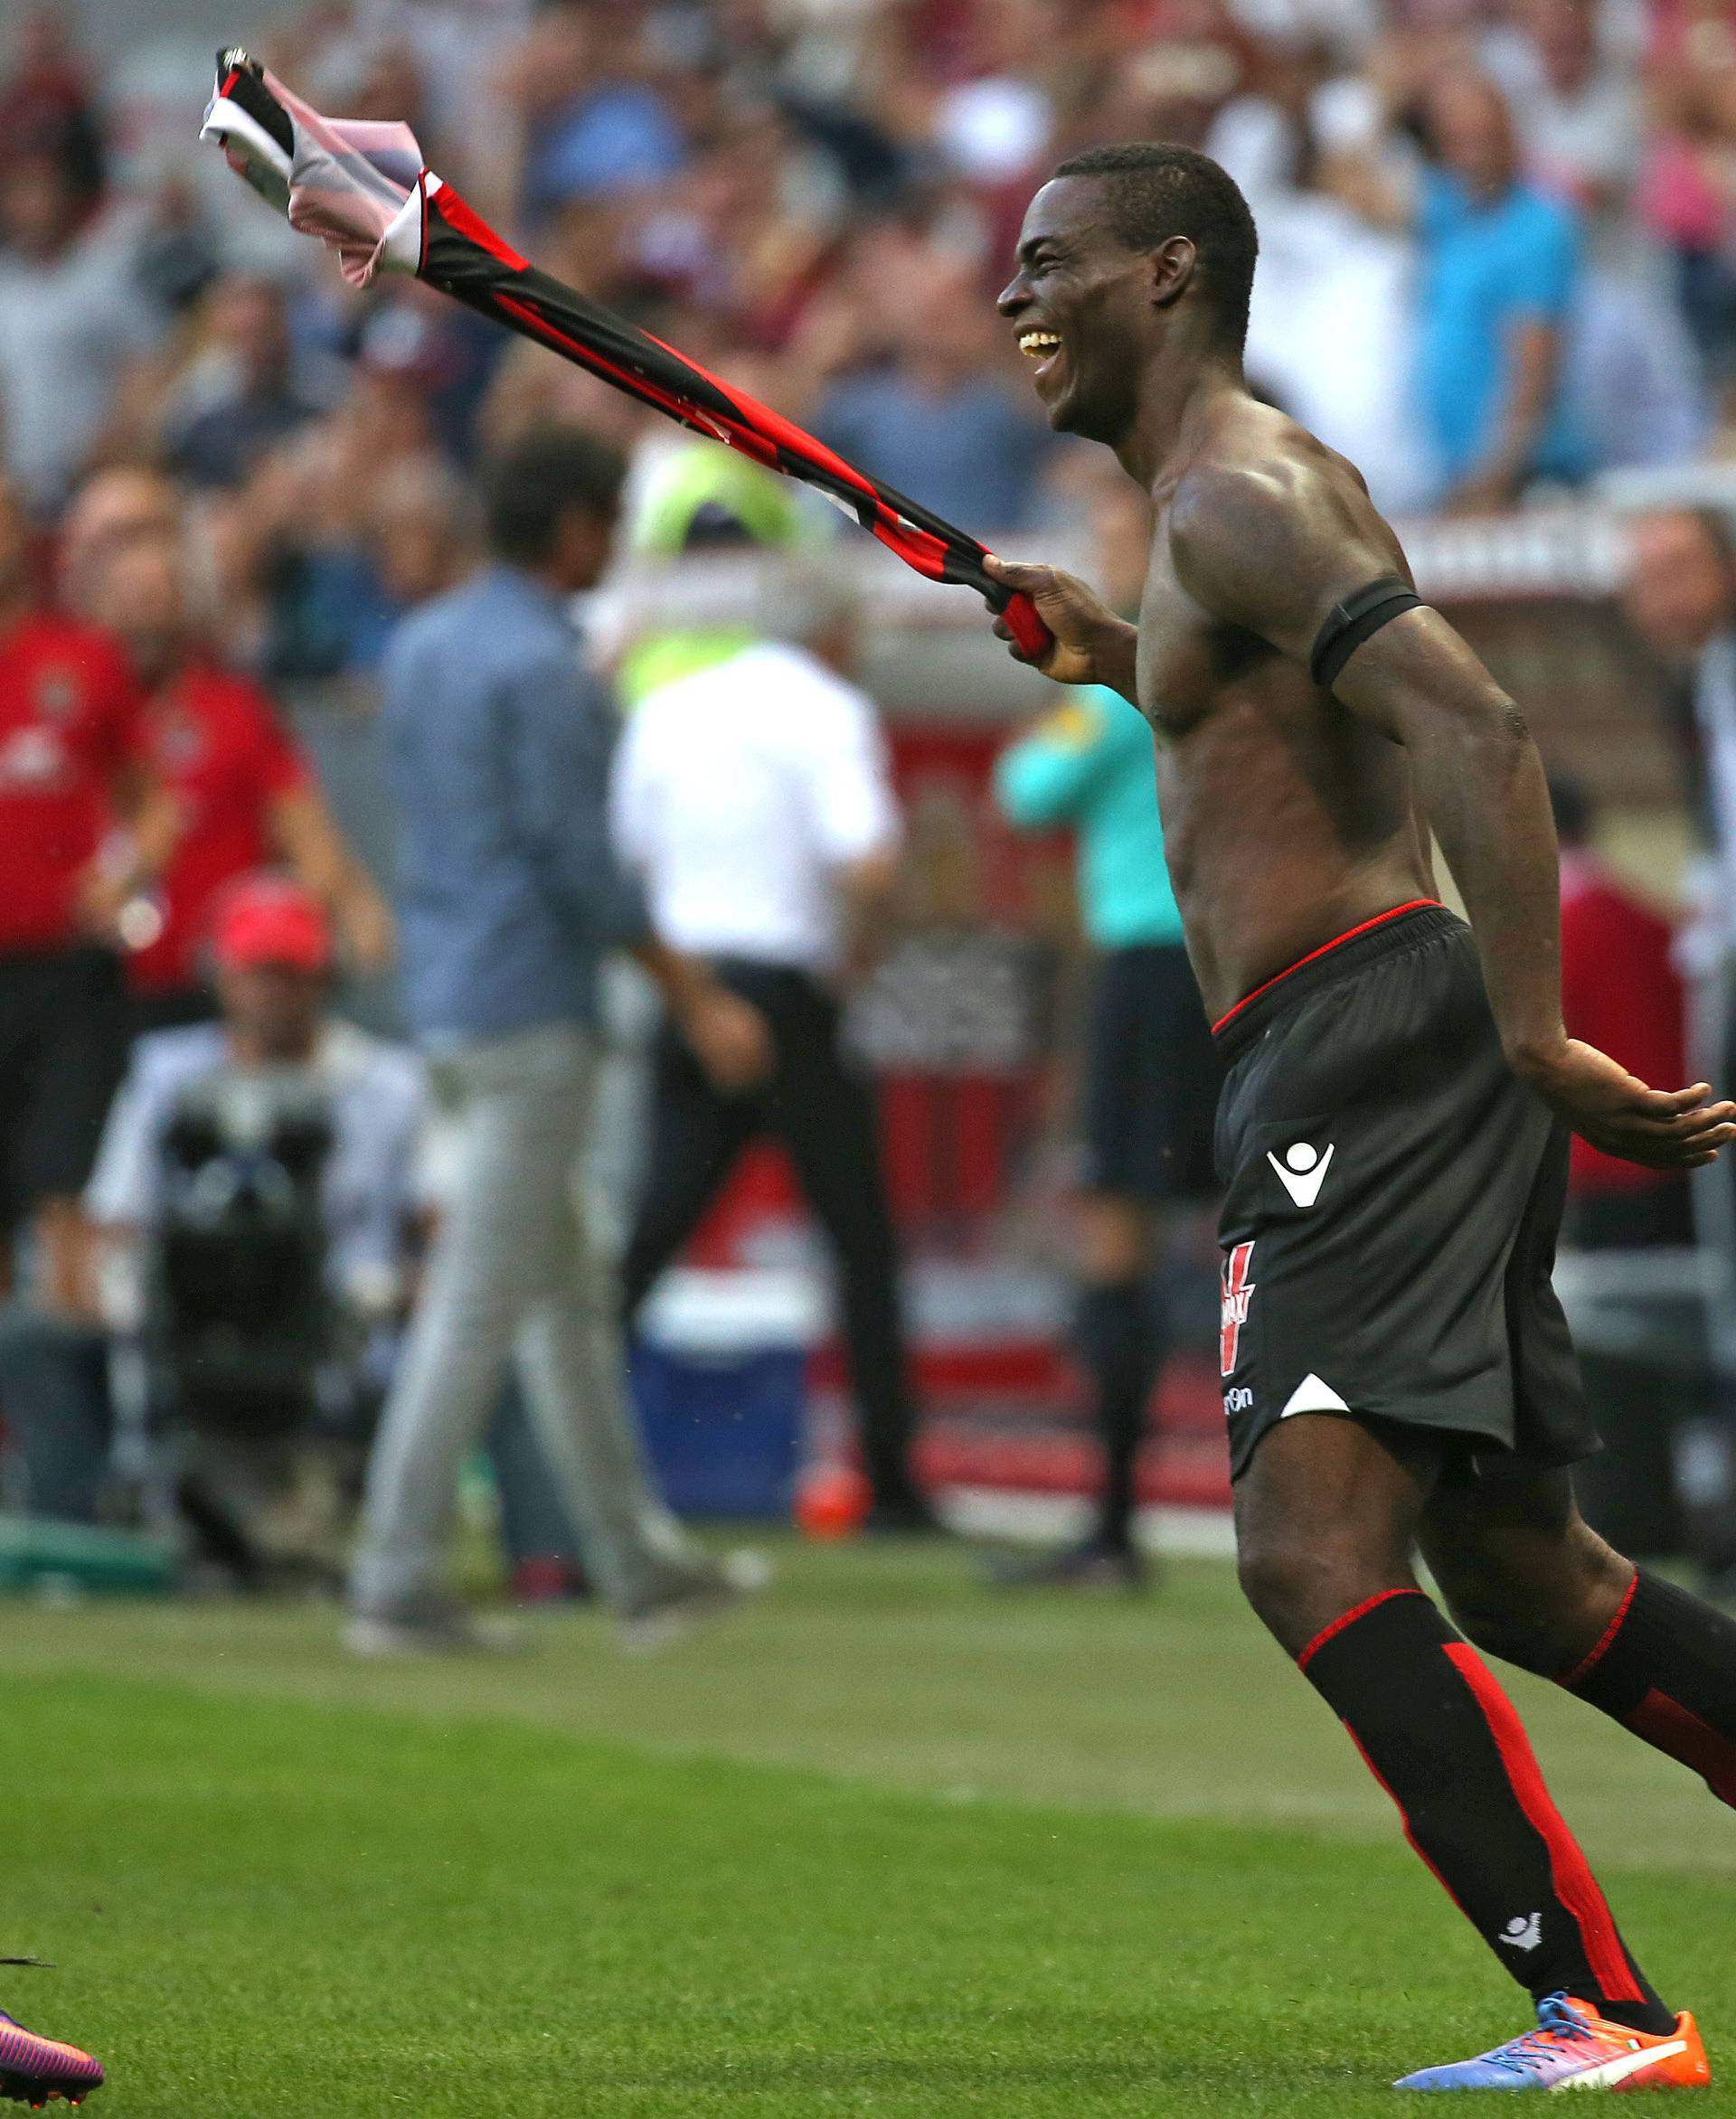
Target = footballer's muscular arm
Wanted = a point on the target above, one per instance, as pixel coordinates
(1273, 551)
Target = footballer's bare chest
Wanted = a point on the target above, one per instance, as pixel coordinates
(1190, 662)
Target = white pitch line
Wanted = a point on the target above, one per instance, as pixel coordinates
(1035, 1519)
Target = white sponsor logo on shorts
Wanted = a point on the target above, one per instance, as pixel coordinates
(1303, 1171)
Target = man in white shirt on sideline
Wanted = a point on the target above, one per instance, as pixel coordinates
(752, 797)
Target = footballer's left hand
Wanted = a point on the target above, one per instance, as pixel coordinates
(1616, 1112)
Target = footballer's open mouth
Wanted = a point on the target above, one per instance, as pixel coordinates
(1037, 342)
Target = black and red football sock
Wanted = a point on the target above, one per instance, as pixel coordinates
(1665, 1668)
(1118, 1333)
(1442, 1738)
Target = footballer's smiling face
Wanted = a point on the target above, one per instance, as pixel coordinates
(1081, 308)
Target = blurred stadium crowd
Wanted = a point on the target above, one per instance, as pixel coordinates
(818, 199)
(1498, 261)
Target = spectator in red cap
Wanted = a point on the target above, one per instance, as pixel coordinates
(268, 948)
(245, 792)
(269, 922)
(276, 1052)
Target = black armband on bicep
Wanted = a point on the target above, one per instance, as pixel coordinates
(1350, 623)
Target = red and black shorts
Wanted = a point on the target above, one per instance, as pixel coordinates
(1392, 1198)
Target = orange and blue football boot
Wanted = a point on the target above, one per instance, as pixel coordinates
(1574, 2048)
(35, 2070)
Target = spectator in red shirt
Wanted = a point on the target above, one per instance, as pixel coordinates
(246, 794)
(85, 832)
(1620, 992)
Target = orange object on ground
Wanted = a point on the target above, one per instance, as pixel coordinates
(831, 1500)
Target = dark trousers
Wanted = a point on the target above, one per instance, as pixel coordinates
(54, 1388)
(820, 1105)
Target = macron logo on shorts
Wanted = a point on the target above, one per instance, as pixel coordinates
(1303, 1171)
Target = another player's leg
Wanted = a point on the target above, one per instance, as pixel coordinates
(1326, 1516)
(1530, 1580)
(35, 2071)
(1119, 1338)
(1150, 1092)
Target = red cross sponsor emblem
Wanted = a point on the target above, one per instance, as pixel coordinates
(1238, 1293)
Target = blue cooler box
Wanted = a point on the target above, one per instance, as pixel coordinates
(725, 1435)
(719, 1383)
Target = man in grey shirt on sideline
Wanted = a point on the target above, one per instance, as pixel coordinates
(499, 740)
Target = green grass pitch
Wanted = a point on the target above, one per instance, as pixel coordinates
(885, 1844)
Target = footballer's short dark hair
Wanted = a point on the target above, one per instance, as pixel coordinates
(1156, 190)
